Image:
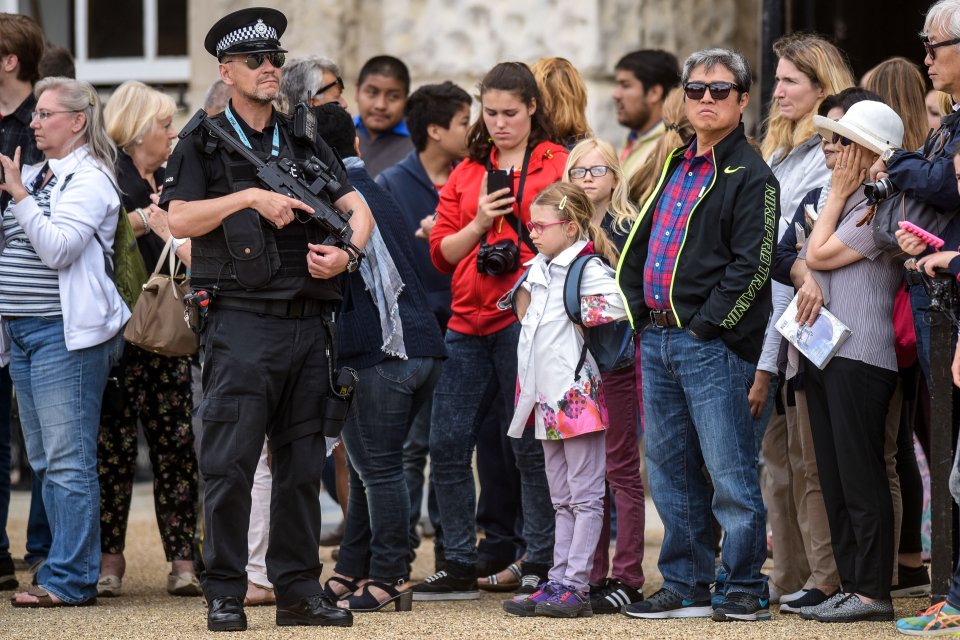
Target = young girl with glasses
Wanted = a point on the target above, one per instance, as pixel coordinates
(569, 408)
(593, 165)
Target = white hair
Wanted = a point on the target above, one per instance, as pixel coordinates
(945, 16)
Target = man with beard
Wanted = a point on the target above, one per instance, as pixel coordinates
(642, 80)
(265, 341)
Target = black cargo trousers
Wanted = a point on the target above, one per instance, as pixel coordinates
(263, 375)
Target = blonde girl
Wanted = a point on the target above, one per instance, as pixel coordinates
(570, 412)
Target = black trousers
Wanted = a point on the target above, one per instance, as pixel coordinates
(262, 375)
(848, 405)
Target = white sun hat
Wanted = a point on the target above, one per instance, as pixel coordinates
(870, 124)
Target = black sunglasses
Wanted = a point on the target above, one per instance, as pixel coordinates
(255, 60)
(718, 90)
(836, 137)
(931, 48)
(336, 83)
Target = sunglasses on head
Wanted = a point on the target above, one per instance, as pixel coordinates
(597, 171)
(718, 90)
(931, 48)
(255, 60)
(336, 83)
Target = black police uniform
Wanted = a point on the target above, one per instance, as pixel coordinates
(265, 367)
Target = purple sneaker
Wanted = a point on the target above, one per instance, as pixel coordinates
(565, 602)
(526, 605)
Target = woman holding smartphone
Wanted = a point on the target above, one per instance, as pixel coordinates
(479, 236)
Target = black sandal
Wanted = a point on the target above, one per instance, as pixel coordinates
(366, 602)
(349, 585)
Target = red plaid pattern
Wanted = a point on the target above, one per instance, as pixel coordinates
(684, 189)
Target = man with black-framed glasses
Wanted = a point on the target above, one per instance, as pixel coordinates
(271, 288)
(695, 276)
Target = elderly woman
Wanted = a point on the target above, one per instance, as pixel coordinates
(155, 388)
(63, 315)
(849, 397)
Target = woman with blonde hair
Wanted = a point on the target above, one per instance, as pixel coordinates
(809, 68)
(594, 167)
(564, 99)
(155, 389)
(62, 319)
(903, 87)
(678, 131)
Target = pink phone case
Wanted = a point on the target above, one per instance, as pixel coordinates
(924, 235)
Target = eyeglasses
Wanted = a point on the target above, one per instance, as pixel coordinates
(45, 115)
(540, 226)
(718, 90)
(597, 171)
(931, 48)
(336, 83)
(835, 138)
(255, 60)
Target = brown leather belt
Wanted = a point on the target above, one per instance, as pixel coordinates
(663, 318)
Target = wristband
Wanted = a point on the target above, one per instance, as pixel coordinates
(177, 243)
(143, 219)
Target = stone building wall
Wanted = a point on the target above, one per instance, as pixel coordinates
(460, 40)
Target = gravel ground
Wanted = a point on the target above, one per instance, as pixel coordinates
(145, 611)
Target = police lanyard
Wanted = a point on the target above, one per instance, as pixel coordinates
(275, 151)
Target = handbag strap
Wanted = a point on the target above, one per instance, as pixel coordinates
(173, 262)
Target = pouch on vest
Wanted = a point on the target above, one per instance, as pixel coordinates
(253, 265)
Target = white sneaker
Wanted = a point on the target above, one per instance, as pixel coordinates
(790, 597)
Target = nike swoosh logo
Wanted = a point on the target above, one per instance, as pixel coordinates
(687, 603)
(764, 603)
(732, 170)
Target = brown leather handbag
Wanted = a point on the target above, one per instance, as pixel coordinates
(158, 324)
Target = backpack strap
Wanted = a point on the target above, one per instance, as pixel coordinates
(571, 302)
(510, 297)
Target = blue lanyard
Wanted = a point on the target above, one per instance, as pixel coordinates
(275, 151)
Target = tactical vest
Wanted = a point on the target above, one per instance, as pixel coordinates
(247, 253)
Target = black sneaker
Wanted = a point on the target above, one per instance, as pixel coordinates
(811, 598)
(912, 582)
(8, 575)
(667, 604)
(444, 586)
(532, 575)
(738, 605)
(613, 596)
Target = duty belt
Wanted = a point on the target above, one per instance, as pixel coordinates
(295, 308)
(663, 318)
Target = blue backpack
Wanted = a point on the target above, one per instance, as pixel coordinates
(611, 344)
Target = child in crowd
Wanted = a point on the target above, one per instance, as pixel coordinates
(570, 412)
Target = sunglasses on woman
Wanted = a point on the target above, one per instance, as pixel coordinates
(718, 90)
(255, 60)
(931, 48)
(835, 138)
(597, 171)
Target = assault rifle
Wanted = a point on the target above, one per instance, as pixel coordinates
(285, 177)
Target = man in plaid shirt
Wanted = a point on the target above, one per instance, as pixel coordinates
(695, 276)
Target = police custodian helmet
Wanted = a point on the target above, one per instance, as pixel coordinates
(246, 31)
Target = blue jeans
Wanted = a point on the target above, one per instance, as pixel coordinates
(59, 393)
(387, 399)
(415, 452)
(479, 371)
(5, 396)
(696, 410)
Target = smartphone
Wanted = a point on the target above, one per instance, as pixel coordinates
(498, 179)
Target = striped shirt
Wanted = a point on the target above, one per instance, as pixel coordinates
(861, 293)
(27, 286)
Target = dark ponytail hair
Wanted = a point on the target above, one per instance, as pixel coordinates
(516, 78)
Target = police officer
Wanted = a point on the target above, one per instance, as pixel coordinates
(265, 342)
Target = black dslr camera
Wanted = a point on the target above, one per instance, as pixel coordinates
(498, 258)
(879, 191)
